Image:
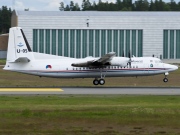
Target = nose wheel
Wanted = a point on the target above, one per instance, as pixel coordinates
(100, 81)
(165, 80)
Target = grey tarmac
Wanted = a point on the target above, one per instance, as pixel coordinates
(96, 91)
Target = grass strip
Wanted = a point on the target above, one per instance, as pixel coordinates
(111, 114)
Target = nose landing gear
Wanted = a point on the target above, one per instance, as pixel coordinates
(165, 79)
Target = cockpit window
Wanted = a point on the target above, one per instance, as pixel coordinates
(158, 61)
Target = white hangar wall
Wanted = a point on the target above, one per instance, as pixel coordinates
(160, 30)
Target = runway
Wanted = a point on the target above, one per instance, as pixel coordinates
(90, 91)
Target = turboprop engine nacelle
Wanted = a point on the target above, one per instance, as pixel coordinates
(119, 61)
(82, 64)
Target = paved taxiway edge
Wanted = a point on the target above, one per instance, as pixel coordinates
(91, 91)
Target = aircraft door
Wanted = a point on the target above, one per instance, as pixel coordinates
(146, 68)
(152, 65)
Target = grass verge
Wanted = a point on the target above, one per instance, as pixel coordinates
(76, 115)
(2, 61)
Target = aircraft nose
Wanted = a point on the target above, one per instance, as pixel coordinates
(175, 67)
(171, 67)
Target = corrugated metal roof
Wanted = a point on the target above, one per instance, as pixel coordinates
(95, 13)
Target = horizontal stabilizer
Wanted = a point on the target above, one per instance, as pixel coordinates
(22, 59)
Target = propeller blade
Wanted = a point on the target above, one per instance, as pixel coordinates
(123, 54)
(129, 54)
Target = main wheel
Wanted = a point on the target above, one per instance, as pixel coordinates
(95, 82)
(165, 80)
(101, 81)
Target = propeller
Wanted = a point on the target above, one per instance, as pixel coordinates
(129, 55)
(123, 54)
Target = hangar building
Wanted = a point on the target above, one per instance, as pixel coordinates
(92, 33)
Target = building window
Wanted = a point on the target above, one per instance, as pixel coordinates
(72, 43)
(41, 41)
(133, 42)
(53, 42)
(177, 44)
(171, 44)
(97, 43)
(35, 40)
(60, 43)
(127, 42)
(82, 43)
(78, 43)
(47, 44)
(140, 42)
(66, 43)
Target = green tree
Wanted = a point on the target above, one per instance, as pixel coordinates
(72, 6)
(67, 8)
(76, 7)
(86, 5)
(94, 6)
(5, 19)
(61, 8)
(119, 4)
(127, 3)
(173, 6)
(141, 5)
(152, 6)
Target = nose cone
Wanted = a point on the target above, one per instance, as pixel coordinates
(171, 67)
(175, 67)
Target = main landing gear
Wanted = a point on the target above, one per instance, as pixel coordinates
(100, 81)
(165, 79)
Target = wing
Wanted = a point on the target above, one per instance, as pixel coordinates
(103, 61)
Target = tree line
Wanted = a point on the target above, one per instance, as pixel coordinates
(5, 19)
(122, 5)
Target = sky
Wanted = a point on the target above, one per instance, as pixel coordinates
(45, 5)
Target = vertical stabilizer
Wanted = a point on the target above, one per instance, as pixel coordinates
(18, 46)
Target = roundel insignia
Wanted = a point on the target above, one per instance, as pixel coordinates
(48, 67)
(151, 65)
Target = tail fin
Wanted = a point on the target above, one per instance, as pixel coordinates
(18, 46)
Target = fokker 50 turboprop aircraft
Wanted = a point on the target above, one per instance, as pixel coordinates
(20, 58)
